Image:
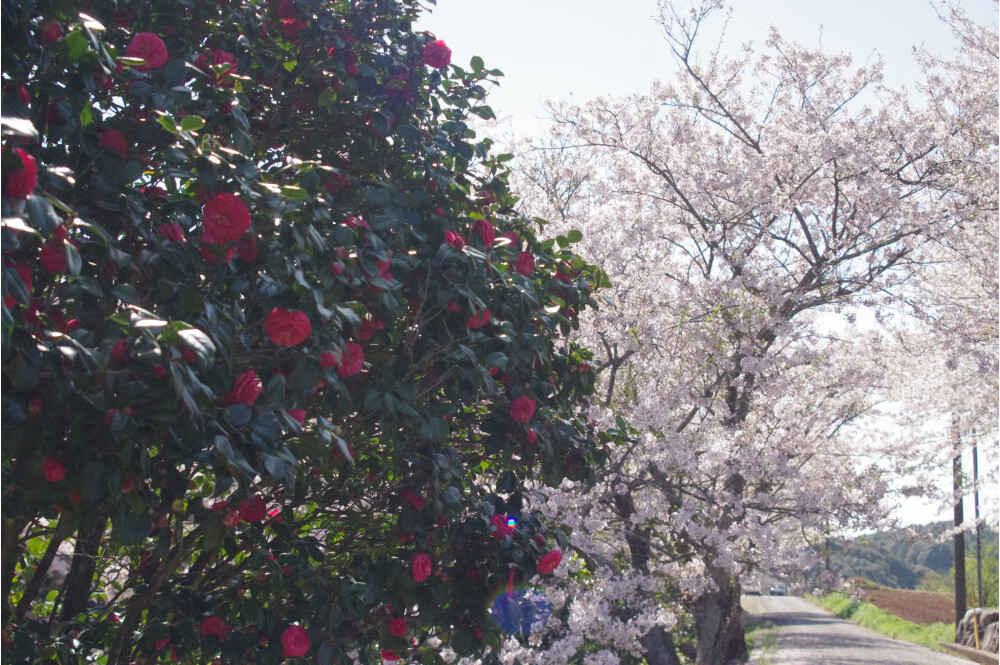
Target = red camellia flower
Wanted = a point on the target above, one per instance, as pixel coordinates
(219, 63)
(225, 217)
(565, 274)
(246, 390)
(287, 327)
(53, 256)
(253, 509)
(247, 248)
(49, 31)
(352, 360)
(437, 54)
(24, 272)
(119, 352)
(388, 655)
(397, 626)
(481, 319)
(18, 184)
(172, 231)
(215, 252)
(367, 329)
(295, 639)
(149, 47)
(291, 27)
(522, 409)
(298, 415)
(502, 528)
(525, 263)
(456, 240)
(549, 562)
(116, 142)
(53, 469)
(337, 182)
(412, 497)
(485, 231)
(328, 359)
(532, 437)
(422, 567)
(215, 626)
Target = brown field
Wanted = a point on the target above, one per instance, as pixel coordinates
(921, 607)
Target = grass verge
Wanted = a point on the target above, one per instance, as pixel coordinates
(760, 635)
(882, 622)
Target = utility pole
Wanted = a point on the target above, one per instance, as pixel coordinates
(979, 551)
(956, 470)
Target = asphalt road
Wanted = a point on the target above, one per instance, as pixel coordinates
(808, 635)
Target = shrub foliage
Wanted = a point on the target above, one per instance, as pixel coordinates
(279, 360)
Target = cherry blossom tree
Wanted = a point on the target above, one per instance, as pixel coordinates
(736, 210)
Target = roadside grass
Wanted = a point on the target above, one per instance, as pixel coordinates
(759, 634)
(869, 616)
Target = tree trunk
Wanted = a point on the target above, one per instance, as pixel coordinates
(718, 621)
(80, 579)
(11, 553)
(657, 645)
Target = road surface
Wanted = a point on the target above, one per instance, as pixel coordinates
(808, 635)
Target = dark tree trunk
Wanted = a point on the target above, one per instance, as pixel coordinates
(80, 579)
(11, 553)
(718, 621)
(657, 645)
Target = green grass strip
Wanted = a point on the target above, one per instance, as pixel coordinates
(762, 635)
(870, 616)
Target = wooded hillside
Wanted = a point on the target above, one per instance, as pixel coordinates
(903, 558)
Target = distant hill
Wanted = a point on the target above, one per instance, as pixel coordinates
(900, 559)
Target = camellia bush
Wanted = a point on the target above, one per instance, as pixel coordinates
(279, 362)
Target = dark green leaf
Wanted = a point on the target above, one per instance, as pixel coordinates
(126, 293)
(237, 414)
(13, 412)
(198, 342)
(129, 528)
(73, 260)
(94, 485)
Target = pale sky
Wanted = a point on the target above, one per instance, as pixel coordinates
(554, 48)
